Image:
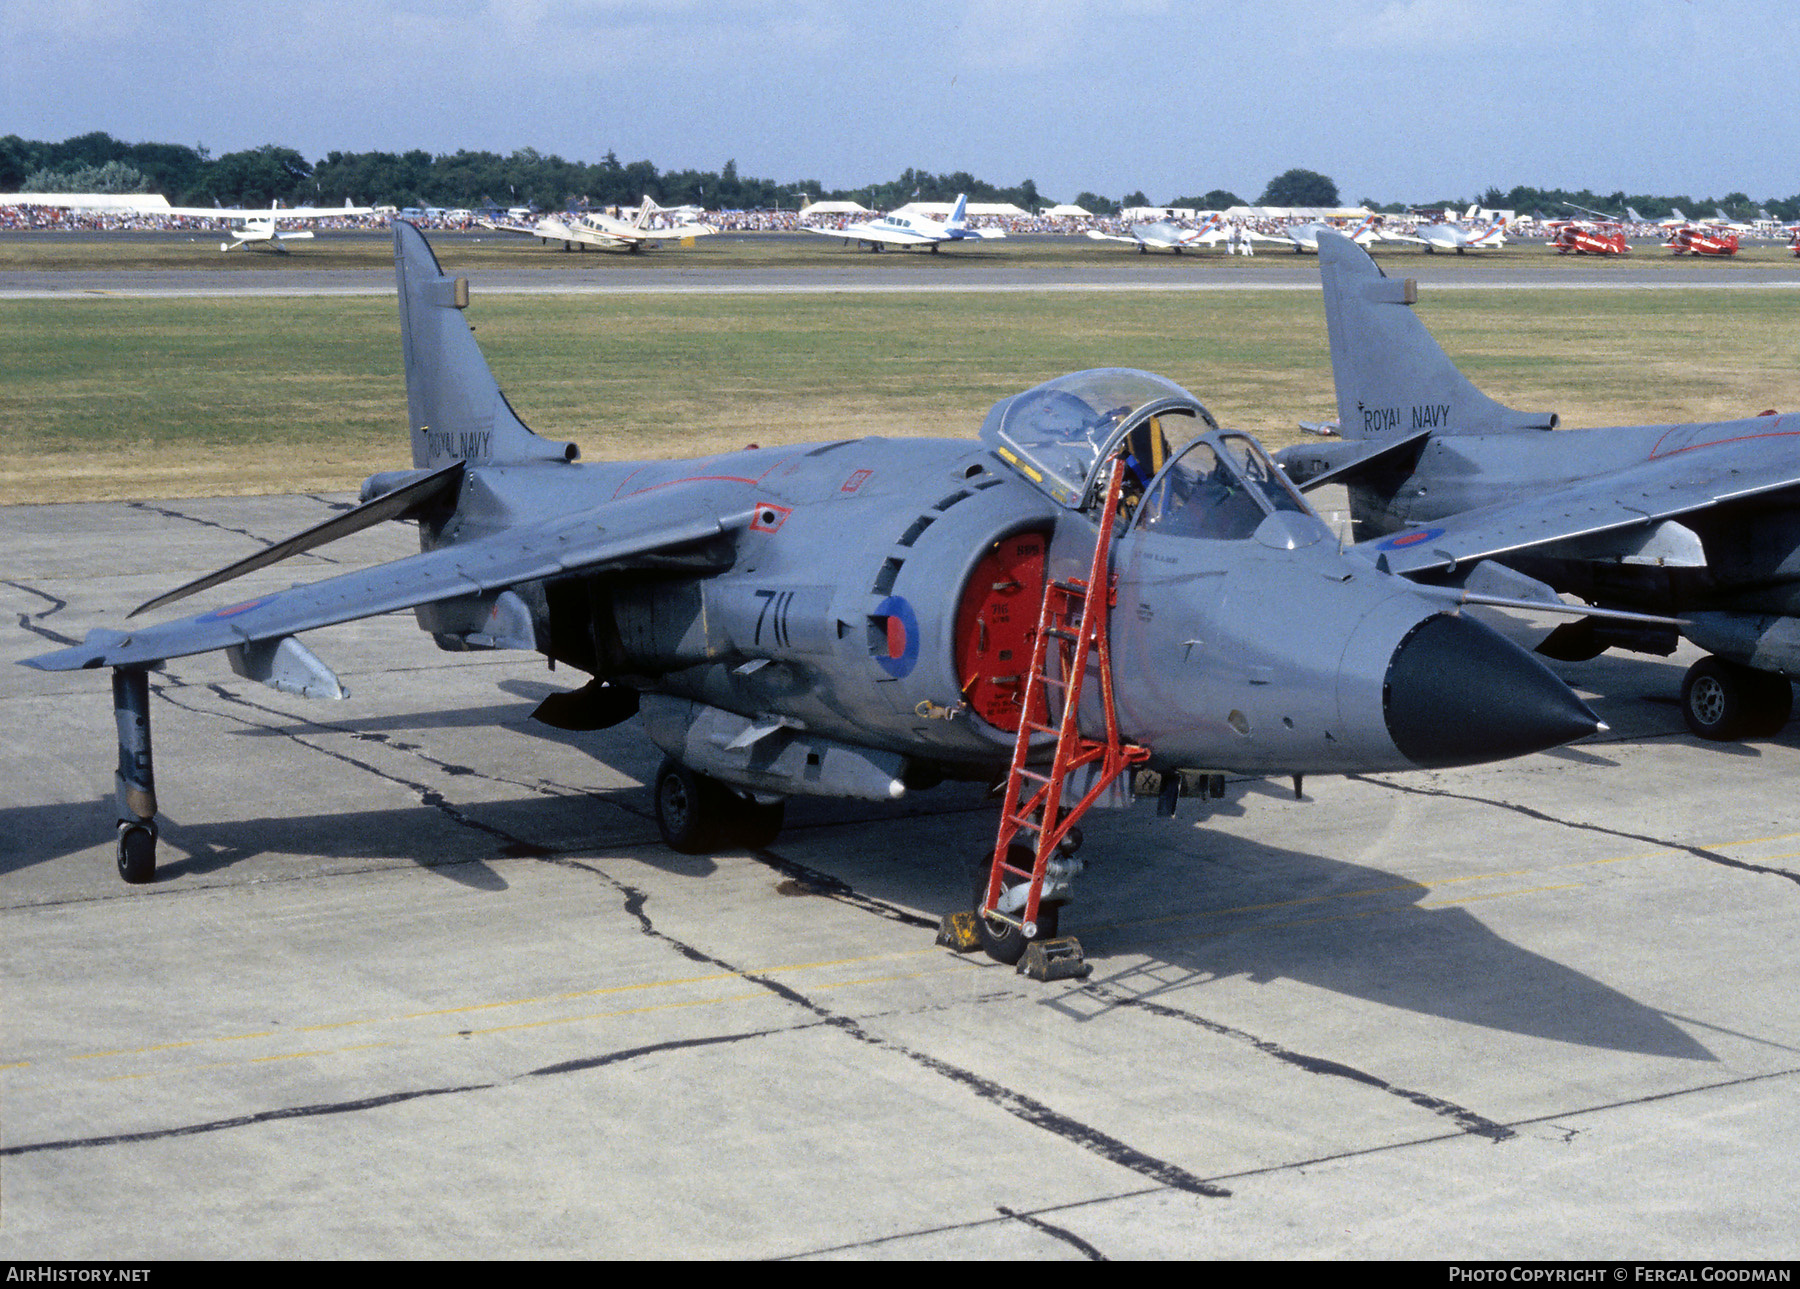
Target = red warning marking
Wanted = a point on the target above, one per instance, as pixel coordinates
(769, 517)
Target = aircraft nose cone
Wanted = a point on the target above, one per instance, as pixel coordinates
(1458, 693)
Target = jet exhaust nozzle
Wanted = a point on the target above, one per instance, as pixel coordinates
(1459, 693)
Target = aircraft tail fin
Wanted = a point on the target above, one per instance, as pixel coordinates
(455, 406)
(958, 217)
(1391, 375)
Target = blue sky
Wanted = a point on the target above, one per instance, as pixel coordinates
(1409, 100)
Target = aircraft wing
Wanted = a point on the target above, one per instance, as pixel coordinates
(875, 233)
(1636, 497)
(680, 233)
(1099, 236)
(636, 532)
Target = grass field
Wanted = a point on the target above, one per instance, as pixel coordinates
(135, 398)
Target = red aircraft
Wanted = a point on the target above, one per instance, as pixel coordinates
(1699, 239)
(1590, 239)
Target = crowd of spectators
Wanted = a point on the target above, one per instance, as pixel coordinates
(36, 217)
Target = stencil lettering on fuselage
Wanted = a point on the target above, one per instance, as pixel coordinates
(1424, 416)
(467, 444)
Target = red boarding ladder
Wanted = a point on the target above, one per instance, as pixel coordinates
(1076, 616)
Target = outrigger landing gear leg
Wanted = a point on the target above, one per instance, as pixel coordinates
(135, 782)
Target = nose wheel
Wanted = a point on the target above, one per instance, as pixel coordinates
(1005, 941)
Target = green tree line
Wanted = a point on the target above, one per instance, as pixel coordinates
(192, 176)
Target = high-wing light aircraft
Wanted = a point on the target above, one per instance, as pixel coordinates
(904, 228)
(263, 227)
(578, 231)
(1062, 601)
(1700, 521)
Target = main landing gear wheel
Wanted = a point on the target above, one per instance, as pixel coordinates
(1722, 700)
(687, 808)
(1002, 941)
(697, 814)
(137, 853)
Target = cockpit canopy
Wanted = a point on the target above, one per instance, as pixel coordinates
(1064, 434)
(1061, 434)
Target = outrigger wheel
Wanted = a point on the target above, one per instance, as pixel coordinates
(137, 852)
(134, 785)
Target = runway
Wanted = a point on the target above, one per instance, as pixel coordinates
(1017, 264)
(419, 980)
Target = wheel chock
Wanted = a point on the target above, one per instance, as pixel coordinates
(956, 931)
(1058, 959)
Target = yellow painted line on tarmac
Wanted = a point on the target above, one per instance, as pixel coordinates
(170, 1047)
(746, 996)
(623, 1011)
(677, 982)
(1497, 895)
(674, 982)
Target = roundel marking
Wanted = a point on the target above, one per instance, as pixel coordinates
(233, 610)
(1404, 540)
(901, 654)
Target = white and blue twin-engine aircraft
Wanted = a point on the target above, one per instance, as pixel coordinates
(907, 228)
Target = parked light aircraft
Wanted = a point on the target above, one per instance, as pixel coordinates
(1579, 237)
(1675, 220)
(1700, 521)
(1702, 239)
(263, 227)
(1719, 219)
(1305, 237)
(578, 231)
(863, 618)
(906, 228)
(1165, 236)
(1458, 238)
(1688, 237)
